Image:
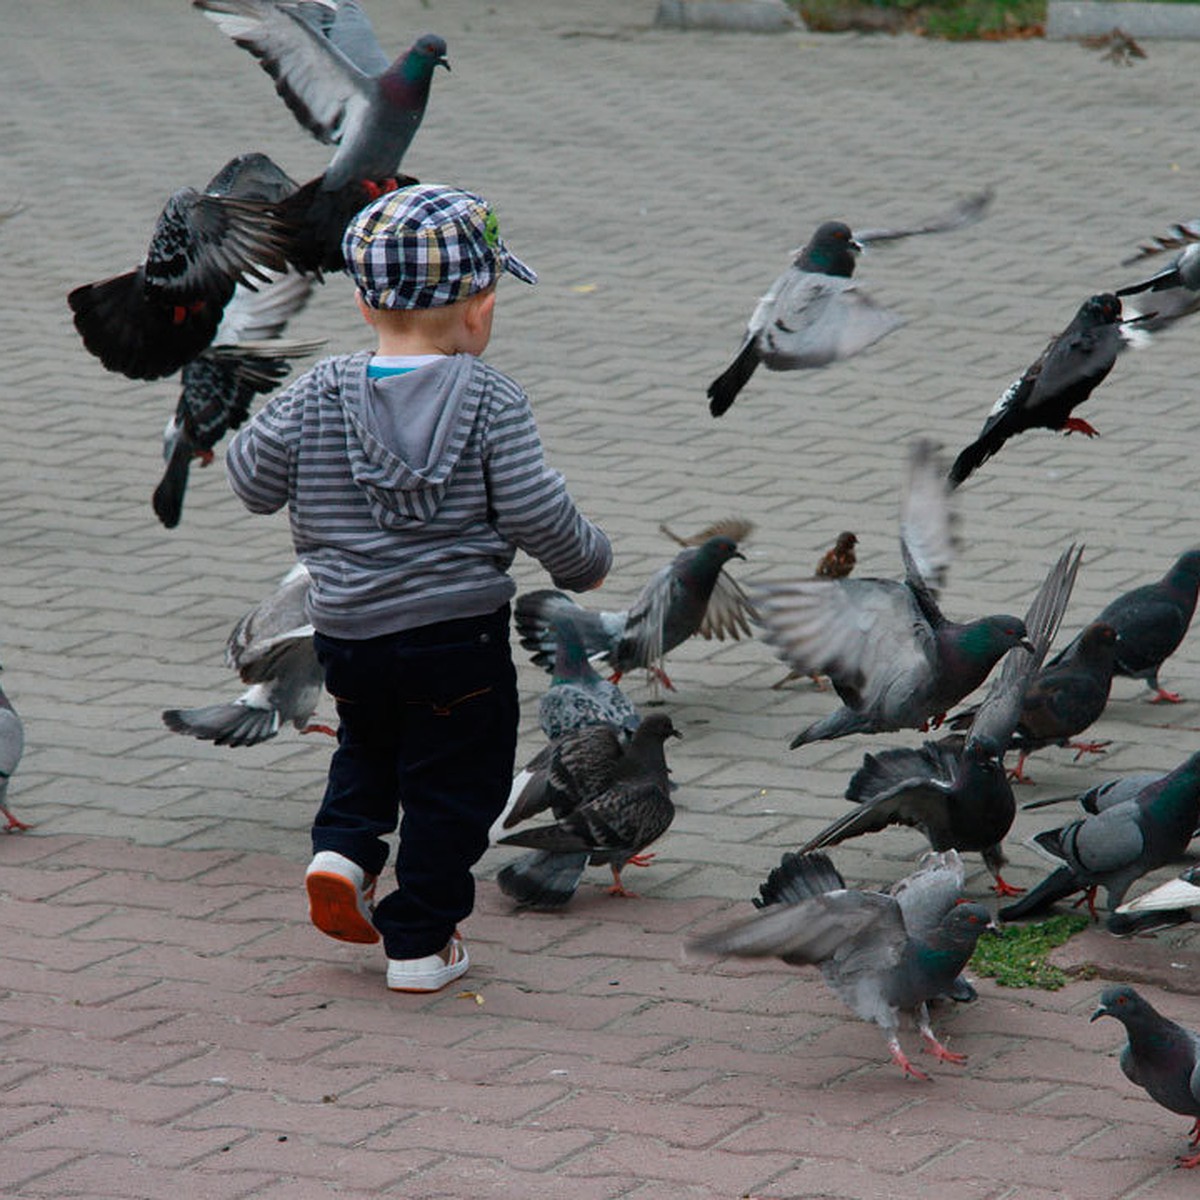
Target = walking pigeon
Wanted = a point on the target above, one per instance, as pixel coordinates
(1072, 365)
(894, 659)
(881, 953)
(691, 594)
(1160, 1056)
(577, 696)
(247, 358)
(337, 81)
(12, 746)
(611, 799)
(955, 790)
(150, 321)
(1151, 622)
(812, 315)
(1117, 846)
(271, 648)
(1064, 698)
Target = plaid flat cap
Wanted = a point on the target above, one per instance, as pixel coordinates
(425, 246)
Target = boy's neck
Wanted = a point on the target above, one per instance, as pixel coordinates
(408, 345)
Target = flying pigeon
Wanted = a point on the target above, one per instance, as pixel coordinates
(1151, 622)
(1160, 1056)
(1064, 698)
(691, 594)
(1118, 845)
(894, 660)
(955, 790)
(247, 358)
(1173, 292)
(150, 321)
(12, 746)
(881, 953)
(611, 799)
(577, 696)
(271, 648)
(1072, 365)
(813, 315)
(339, 84)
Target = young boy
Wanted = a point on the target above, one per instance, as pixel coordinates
(411, 477)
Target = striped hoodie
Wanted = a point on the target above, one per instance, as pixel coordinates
(409, 495)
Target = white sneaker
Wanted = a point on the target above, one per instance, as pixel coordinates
(431, 973)
(341, 896)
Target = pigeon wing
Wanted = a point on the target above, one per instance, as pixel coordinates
(927, 518)
(966, 212)
(930, 892)
(280, 613)
(730, 611)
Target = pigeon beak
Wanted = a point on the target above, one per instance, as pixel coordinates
(442, 62)
(1026, 644)
(856, 246)
(738, 554)
(1100, 1012)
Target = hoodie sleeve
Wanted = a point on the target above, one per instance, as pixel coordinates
(258, 459)
(532, 508)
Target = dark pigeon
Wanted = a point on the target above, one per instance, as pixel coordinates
(955, 790)
(611, 799)
(1151, 622)
(1160, 1056)
(150, 321)
(271, 648)
(692, 594)
(894, 659)
(577, 696)
(1117, 846)
(12, 746)
(247, 358)
(1176, 902)
(813, 315)
(881, 953)
(339, 84)
(1072, 365)
(1066, 697)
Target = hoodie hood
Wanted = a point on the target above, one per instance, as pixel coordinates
(406, 433)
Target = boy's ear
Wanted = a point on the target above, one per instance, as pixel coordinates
(479, 308)
(368, 313)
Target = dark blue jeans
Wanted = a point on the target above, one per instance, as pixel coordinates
(428, 730)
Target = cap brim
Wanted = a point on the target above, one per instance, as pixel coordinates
(514, 266)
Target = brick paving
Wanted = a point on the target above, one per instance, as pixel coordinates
(169, 1023)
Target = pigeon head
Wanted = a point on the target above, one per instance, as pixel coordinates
(427, 52)
(1186, 571)
(656, 727)
(830, 251)
(984, 751)
(1123, 1003)
(1102, 309)
(702, 567)
(963, 926)
(1097, 636)
(993, 636)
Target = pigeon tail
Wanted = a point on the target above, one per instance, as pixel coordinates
(168, 496)
(836, 725)
(723, 390)
(975, 455)
(542, 879)
(231, 724)
(534, 615)
(1056, 886)
(799, 877)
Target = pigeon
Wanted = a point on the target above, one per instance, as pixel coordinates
(955, 790)
(691, 594)
(12, 746)
(577, 696)
(611, 798)
(271, 648)
(894, 660)
(1175, 902)
(1160, 1056)
(881, 953)
(1118, 845)
(247, 358)
(339, 84)
(813, 315)
(1162, 298)
(1063, 699)
(1118, 47)
(148, 322)
(1072, 365)
(1151, 622)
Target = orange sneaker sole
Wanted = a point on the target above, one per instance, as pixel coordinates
(333, 908)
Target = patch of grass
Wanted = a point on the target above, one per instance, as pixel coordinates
(1017, 955)
(951, 19)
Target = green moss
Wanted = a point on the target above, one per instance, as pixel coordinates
(1017, 955)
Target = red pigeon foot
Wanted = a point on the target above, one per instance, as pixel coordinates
(934, 1047)
(640, 860)
(319, 729)
(12, 824)
(1079, 425)
(1162, 696)
(1003, 888)
(901, 1060)
(1082, 748)
(1089, 898)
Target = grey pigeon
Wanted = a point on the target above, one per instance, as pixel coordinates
(955, 790)
(342, 88)
(12, 746)
(813, 315)
(271, 648)
(1065, 697)
(1160, 1056)
(611, 799)
(1151, 622)
(247, 358)
(692, 594)
(881, 953)
(149, 322)
(894, 659)
(1117, 846)
(1063, 376)
(1174, 291)
(577, 696)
